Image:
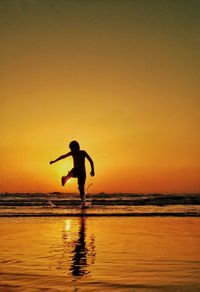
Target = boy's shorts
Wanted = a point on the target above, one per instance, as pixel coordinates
(80, 174)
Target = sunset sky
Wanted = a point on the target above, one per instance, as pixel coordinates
(120, 76)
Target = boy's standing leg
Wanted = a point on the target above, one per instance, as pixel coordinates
(81, 186)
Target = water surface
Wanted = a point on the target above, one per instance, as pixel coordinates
(100, 254)
(59, 204)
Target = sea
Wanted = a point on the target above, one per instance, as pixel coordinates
(120, 242)
(117, 204)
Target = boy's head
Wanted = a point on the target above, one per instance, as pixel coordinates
(74, 146)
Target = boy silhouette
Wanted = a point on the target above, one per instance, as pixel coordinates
(78, 170)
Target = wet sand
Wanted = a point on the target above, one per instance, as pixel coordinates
(99, 253)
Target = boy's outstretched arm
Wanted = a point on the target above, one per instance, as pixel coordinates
(61, 157)
(91, 164)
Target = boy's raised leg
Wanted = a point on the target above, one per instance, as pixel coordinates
(64, 179)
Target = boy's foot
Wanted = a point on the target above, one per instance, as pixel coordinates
(63, 180)
(83, 204)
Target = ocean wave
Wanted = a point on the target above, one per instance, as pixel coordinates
(60, 204)
(128, 214)
(102, 199)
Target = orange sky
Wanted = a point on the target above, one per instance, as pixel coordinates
(121, 77)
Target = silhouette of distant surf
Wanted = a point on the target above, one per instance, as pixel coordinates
(117, 204)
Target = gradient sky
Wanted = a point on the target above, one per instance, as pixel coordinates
(121, 77)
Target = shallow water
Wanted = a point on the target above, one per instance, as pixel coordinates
(100, 254)
(59, 204)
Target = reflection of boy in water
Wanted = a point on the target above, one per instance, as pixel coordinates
(79, 253)
(78, 170)
(79, 260)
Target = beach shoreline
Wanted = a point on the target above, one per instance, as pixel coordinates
(99, 253)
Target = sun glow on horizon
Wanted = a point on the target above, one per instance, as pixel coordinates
(130, 100)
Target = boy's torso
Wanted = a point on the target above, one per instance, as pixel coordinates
(79, 159)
